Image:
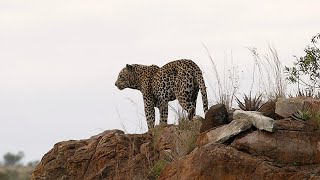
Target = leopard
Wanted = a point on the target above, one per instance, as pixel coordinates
(179, 79)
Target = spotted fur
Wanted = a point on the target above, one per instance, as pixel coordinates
(180, 79)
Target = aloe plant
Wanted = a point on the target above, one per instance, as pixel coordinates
(302, 115)
(250, 103)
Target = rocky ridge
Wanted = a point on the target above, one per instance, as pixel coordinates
(246, 148)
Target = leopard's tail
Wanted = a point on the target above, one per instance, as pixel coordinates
(202, 86)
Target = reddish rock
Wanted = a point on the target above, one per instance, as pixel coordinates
(179, 141)
(296, 125)
(284, 147)
(218, 161)
(110, 154)
(291, 152)
(115, 155)
(268, 109)
(294, 142)
(217, 115)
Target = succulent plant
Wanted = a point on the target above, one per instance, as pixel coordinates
(302, 115)
(250, 103)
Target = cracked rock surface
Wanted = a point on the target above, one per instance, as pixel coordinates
(113, 155)
(109, 154)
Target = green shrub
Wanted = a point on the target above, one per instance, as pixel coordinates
(306, 69)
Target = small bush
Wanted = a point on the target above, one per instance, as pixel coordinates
(306, 69)
(11, 159)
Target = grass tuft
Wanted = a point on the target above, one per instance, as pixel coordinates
(227, 86)
(270, 74)
(157, 169)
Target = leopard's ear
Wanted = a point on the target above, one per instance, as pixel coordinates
(129, 67)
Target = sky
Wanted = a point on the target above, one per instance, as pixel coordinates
(59, 59)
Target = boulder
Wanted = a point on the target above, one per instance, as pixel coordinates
(286, 107)
(217, 115)
(282, 146)
(219, 161)
(223, 133)
(257, 119)
(268, 109)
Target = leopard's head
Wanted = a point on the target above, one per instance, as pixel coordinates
(126, 78)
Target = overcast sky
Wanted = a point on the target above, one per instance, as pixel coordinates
(59, 59)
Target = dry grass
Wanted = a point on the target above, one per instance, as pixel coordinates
(189, 143)
(157, 168)
(180, 138)
(306, 93)
(269, 73)
(227, 86)
(268, 78)
(191, 127)
(179, 113)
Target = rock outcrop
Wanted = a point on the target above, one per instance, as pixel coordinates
(109, 154)
(252, 146)
(292, 152)
(115, 155)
